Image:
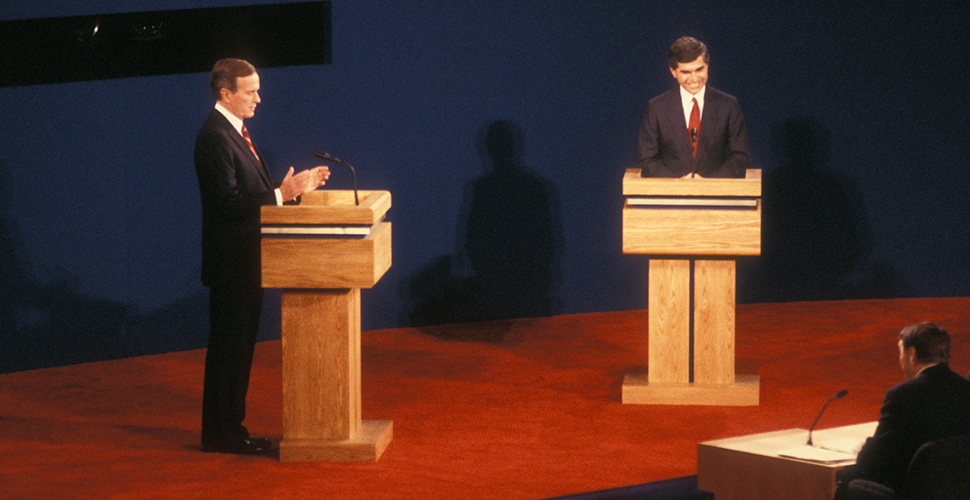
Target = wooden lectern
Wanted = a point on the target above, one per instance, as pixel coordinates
(321, 253)
(692, 230)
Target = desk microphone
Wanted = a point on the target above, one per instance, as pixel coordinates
(841, 394)
(333, 159)
(693, 144)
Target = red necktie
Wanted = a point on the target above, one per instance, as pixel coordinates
(249, 141)
(694, 125)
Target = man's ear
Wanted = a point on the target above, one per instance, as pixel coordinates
(911, 355)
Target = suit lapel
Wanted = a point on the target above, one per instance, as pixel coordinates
(712, 109)
(257, 164)
(675, 121)
(709, 120)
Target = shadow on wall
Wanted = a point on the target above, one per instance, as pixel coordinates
(44, 319)
(508, 260)
(816, 242)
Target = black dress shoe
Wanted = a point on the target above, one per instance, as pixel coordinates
(246, 446)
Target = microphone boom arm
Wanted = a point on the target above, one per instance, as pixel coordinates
(841, 394)
(353, 173)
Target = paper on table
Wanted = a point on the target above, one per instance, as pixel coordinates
(834, 446)
(818, 454)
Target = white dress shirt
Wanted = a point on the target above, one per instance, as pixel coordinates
(686, 99)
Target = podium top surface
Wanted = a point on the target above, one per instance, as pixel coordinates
(635, 185)
(331, 207)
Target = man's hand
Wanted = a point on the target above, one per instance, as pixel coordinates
(303, 182)
(692, 176)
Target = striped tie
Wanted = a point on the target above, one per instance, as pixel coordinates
(249, 141)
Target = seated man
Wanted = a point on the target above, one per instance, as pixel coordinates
(933, 403)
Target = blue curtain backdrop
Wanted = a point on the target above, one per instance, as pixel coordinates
(849, 107)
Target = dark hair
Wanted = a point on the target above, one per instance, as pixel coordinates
(931, 342)
(685, 50)
(224, 75)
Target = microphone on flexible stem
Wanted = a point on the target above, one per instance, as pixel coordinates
(333, 159)
(693, 143)
(841, 394)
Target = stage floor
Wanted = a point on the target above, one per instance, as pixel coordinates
(523, 409)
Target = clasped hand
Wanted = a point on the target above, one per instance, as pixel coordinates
(303, 182)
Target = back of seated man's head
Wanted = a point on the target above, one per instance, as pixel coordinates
(931, 342)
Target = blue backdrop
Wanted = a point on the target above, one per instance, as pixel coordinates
(848, 106)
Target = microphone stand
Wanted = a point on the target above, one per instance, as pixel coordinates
(693, 143)
(840, 395)
(353, 173)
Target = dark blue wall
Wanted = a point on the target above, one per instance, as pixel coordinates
(847, 105)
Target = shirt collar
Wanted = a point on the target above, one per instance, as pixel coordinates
(686, 96)
(234, 120)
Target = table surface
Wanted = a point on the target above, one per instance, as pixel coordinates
(753, 466)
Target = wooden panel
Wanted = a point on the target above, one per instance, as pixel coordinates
(321, 364)
(331, 207)
(745, 391)
(685, 231)
(326, 262)
(742, 476)
(748, 467)
(367, 446)
(714, 297)
(634, 185)
(668, 337)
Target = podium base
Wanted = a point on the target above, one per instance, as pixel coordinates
(745, 391)
(367, 445)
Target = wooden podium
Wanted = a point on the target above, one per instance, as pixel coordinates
(321, 253)
(692, 230)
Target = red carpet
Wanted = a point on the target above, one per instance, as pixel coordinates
(531, 414)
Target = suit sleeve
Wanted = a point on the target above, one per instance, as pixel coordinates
(737, 154)
(651, 149)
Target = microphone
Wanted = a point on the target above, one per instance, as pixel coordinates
(693, 143)
(327, 157)
(841, 394)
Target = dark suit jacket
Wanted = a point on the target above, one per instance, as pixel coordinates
(933, 405)
(664, 145)
(233, 185)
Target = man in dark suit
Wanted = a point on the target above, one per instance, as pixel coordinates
(692, 131)
(933, 403)
(234, 182)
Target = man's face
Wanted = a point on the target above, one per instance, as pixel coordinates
(692, 75)
(243, 101)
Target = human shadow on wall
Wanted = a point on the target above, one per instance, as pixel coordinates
(44, 318)
(816, 241)
(507, 262)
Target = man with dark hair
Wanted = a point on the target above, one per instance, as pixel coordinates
(692, 131)
(933, 403)
(234, 182)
